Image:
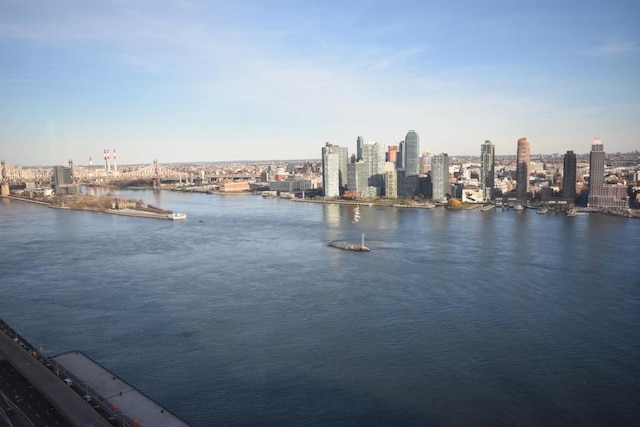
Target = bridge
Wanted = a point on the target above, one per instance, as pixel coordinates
(44, 175)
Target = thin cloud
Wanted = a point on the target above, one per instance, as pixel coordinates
(614, 48)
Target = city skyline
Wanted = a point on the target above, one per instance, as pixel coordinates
(245, 80)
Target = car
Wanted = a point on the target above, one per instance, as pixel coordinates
(112, 420)
(68, 381)
(9, 412)
(87, 398)
(18, 399)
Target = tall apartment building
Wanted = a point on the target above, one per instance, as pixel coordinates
(391, 184)
(358, 177)
(334, 169)
(569, 176)
(440, 176)
(596, 168)
(411, 153)
(487, 168)
(400, 156)
(523, 160)
(374, 156)
(602, 195)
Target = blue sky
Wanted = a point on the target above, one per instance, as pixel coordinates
(181, 80)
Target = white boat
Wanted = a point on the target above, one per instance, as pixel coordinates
(518, 207)
(175, 216)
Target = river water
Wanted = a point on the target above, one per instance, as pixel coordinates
(241, 315)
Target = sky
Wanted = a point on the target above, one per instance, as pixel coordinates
(200, 81)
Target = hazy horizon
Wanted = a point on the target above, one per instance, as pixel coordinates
(226, 80)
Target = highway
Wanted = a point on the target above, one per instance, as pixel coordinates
(21, 404)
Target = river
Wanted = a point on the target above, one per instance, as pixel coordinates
(241, 315)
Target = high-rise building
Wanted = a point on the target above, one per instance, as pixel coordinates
(596, 164)
(359, 145)
(334, 169)
(440, 176)
(569, 176)
(392, 153)
(400, 162)
(411, 153)
(603, 195)
(425, 163)
(523, 160)
(391, 184)
(358, 174)
(596, 172)
(61, 176)
(373, 155)
(487, 168)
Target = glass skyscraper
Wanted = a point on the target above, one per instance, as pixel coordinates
(522, 169)
(569, 176)
(487, 168)
(411, 153)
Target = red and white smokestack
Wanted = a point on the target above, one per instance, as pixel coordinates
(90, 163)
(115, 163)
(106, 162)
(108, 167)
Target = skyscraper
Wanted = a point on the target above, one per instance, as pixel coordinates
(400, 156)
(373, 154)
(392, 154)
(487, 168)
(334, 169)
(569, 176)
(596, 172)
(440, 176)
(359, 145)
(523, 160)
(411, 153)
(358, 173)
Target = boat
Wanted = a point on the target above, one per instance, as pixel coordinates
(176, 216)
(571, 213)
(350, 246)
(518, 207)
(543, 210)
(487, 208)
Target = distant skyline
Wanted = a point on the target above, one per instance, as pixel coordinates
(191, 81)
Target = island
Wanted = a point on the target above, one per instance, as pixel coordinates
(104, 204)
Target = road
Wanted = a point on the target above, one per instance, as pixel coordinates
(25, 404)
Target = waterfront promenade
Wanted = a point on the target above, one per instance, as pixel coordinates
(66, 402)
(130, 404)
(83, 392)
